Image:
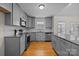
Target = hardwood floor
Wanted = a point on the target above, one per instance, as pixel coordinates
(40, 49)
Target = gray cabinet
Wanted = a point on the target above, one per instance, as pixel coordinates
(30, 22)
(74, 50)
(40, 36)
(8, 19)
(48, 36)
(64, 47)
(16, 15)
(48, 22)
(22, 44)
(54, 38)
(33, 36)
(7, 10)
(14, 46)
(37, 36)
(13, 16)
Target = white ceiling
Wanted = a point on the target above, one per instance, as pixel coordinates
(51, 9)
(70, 10)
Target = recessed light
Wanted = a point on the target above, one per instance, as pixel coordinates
(41, 6)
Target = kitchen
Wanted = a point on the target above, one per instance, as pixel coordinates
(23, 24)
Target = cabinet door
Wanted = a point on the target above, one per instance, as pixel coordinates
(48, 22)
(54, 38)
(22, 44)
(33, 22)
(33, 36)
(27, 23)
(58, 46)
(8, 19)
(6, 8)
(16, 15)
(74, 50)
(63, 48)
(30, 22)
(12, 46)
(40, 36)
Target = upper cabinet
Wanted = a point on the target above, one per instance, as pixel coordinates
(18, 14)
(48, 22)
(30, 22)
(6, 8)
(8, 19)
(14, 15)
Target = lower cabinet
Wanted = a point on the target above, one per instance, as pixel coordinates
(14, 46)
(64, 47)
(37, 36)
(33, 36)
(74, 51)
(22, 44)
(40, 36)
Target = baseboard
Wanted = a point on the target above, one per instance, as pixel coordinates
(41, 41)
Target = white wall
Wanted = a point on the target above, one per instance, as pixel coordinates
(67, 20)
(1, 34)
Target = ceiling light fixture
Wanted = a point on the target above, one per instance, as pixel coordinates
(41, 6)
(69, 4)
